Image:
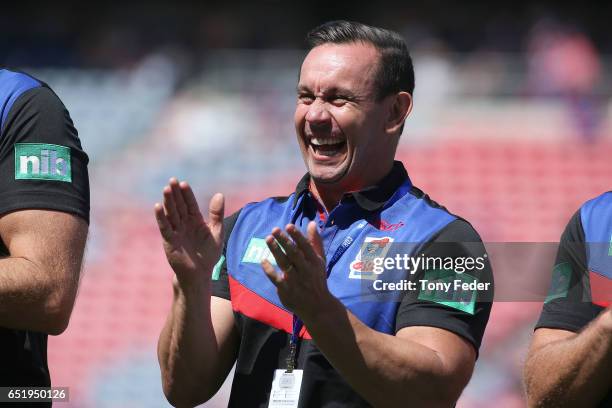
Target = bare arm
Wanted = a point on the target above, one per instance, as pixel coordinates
(39, 280)
(425, 365)
(198, 344)
(565, 369)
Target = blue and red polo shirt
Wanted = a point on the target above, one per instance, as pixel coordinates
(581, 285)
(388, 218)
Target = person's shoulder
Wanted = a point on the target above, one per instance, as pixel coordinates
(270, 203)
(592, 220)
(458, 230)
(276, 203)
(255, 211)
(427, 203)
(595, 217)
(14, 80)
(22, 94)
(455, 229)
(597, 210)
(13, 84)
(602, 201)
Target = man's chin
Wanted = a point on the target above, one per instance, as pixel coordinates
(327, 174)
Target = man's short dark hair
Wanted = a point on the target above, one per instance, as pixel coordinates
(395, 72)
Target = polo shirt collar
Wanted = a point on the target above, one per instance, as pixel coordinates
(371, 198)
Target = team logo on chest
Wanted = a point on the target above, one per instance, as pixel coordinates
(363, 265)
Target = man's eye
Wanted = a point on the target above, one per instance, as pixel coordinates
(305, 98)
(339, 100)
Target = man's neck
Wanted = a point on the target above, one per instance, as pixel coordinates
(326, 195)
(330, 194)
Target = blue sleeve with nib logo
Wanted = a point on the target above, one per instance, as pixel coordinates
(42, 162)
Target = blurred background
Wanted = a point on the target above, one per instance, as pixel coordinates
(511, 128)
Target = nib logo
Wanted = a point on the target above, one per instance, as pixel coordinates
(257, 251)
(40, 161)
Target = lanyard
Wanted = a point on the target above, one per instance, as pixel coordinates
(297, 322)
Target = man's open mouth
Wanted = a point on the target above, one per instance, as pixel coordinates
(327, 146)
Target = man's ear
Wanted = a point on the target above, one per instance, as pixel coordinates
(398, 112)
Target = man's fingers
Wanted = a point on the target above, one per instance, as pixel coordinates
(288, 246)
(193, 208)
(216, 208)
(178, 198)
(302, 243)
(316, 243)
(270, 272)
(170, 207)
(162, 222)
(282, 260)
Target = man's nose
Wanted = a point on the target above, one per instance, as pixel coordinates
(318, 115)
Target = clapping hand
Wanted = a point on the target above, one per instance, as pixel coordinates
(192, 245)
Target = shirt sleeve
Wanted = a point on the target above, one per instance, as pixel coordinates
(42, 163)
(568, 305)
(463, 311)
(220, 279)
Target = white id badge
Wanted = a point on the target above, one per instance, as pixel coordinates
(285, 391)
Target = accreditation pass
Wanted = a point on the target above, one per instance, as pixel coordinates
(285, 391)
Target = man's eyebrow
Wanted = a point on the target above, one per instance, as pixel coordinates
(329, 91)
(340, 91)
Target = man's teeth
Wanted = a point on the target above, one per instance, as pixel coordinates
(320, 141)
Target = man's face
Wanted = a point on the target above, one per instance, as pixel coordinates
(339, 124)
